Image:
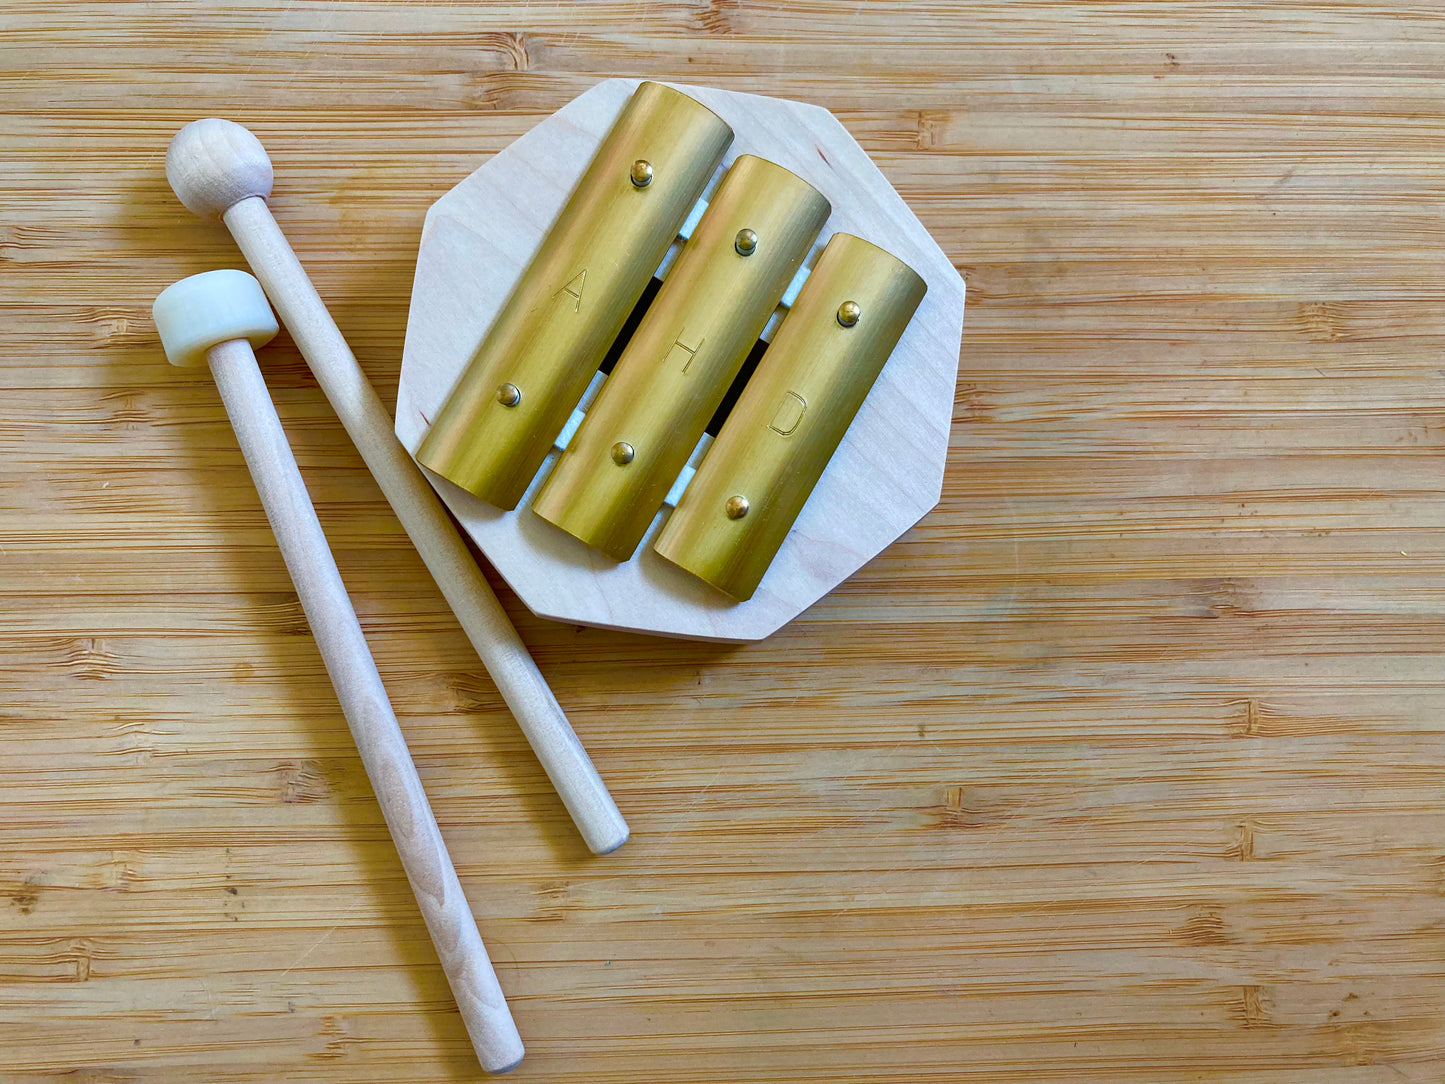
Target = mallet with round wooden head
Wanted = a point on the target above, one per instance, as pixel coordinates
(218, 168)
(217, 318)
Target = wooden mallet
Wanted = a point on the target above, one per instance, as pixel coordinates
(218, 168)
(218, 318)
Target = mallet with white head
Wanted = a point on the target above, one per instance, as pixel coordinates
(217, 318)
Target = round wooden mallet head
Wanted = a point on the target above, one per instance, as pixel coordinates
(213, 164)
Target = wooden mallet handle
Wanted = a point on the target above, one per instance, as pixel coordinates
(218, 317)
(217, 167)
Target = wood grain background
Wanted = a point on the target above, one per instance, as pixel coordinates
(1125, 765)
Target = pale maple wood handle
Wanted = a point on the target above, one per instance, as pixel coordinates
(366, 706)
(219, 168)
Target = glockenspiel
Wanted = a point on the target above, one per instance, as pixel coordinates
(680, 360)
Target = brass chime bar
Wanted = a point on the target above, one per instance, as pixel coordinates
(500, 420)
(791, 416)
(611, 480)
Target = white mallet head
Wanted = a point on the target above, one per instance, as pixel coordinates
(213, 164)
(206, 310)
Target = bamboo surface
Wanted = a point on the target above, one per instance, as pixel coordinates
(1124, 766)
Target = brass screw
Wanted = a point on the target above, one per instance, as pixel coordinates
(736, 506)
(509, 394)
(848, 313)
(641, 173)
(746, 242)
(622, 453)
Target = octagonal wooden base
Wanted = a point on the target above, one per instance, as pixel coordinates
(885, 476)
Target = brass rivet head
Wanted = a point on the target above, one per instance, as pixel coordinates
(641, 173)
(622, 453)
(509, 394)
(736, 506)
(848, 313)
(746, 242)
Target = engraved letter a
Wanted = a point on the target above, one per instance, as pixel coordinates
(573, 289)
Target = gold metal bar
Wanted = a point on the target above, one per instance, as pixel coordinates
(791, 416)
(498, 424)
(609, 483)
